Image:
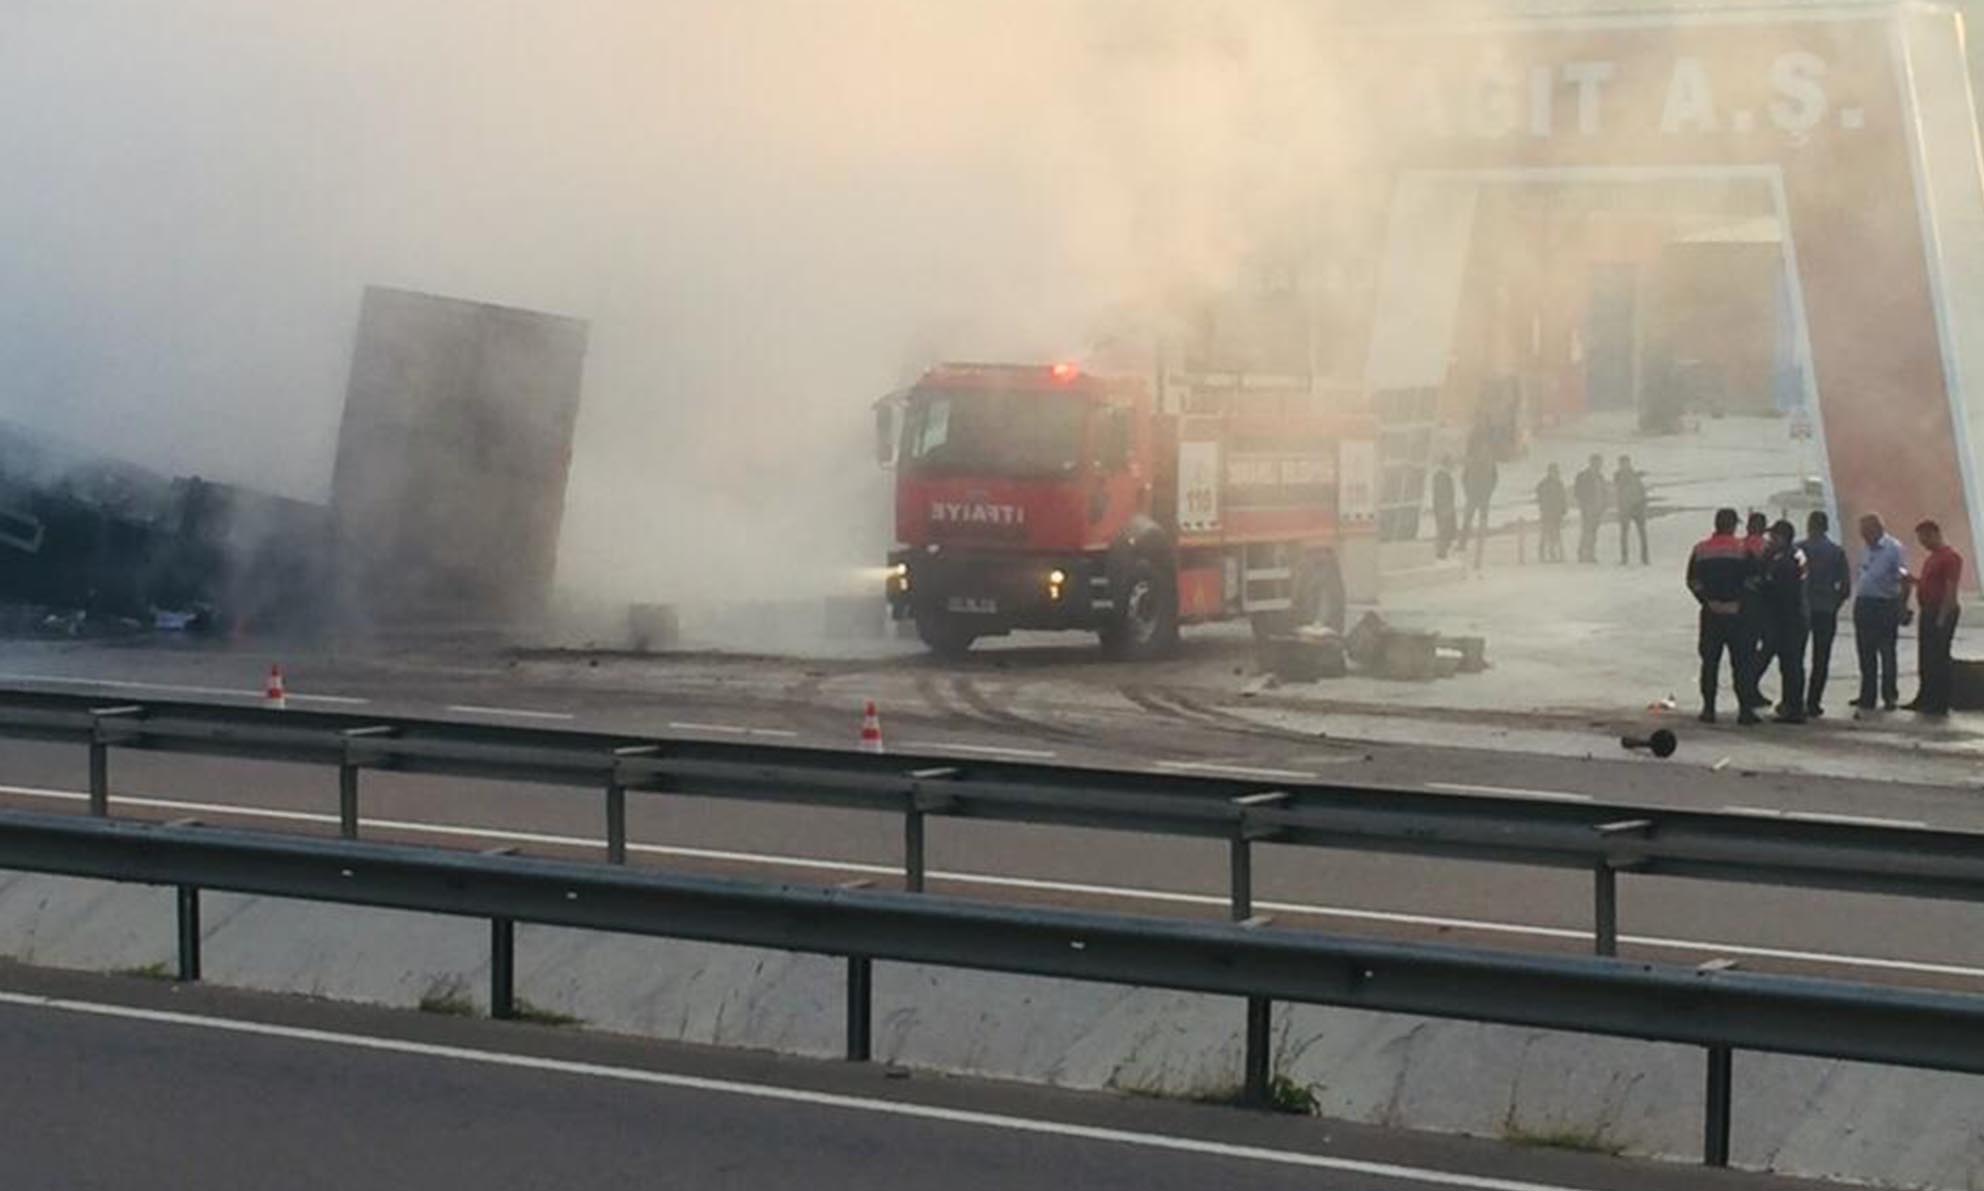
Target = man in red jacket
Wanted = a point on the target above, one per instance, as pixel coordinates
(1722, 574)
(1935, 594)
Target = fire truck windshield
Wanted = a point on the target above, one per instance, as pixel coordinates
(993, 433)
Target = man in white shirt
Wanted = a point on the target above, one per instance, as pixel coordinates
(1878, 598)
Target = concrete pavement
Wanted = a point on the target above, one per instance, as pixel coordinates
(119, 1083)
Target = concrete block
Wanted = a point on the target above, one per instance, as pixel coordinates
(1473, 652)
(1409, 656)
(1366, 641)
(1305, 658)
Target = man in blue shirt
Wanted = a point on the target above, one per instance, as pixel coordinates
(1878, 598)
(1827, 584)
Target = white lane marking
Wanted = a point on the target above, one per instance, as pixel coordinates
(787, 1095)
(730, 729)
(1508, 791)
(522, 713)
(176, 689)
(1237, 770)
(990, 750)
(1031, 884)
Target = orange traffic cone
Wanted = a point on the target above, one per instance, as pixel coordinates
(871, 729)
(274, 696)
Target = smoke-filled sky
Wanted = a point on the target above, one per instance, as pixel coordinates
(771, 212)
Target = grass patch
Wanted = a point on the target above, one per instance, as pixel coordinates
(1298, 1099)
(153, 971)
(1584, 1141)
(1284, 1095)
(539, 1015)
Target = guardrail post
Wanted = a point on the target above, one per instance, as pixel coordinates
(616, 823)
(1260, 1010)
(860, 1008)
(1715, 1125)
(189, 932)
(502, 968)
(1256, 1074)
(100, 757)
(912, 850)
(348, 777)
(1605, 908)
(616, 802)
(1242, 855)
(921, 802)
(1605, 880)
(99, 779)
(348, 800)
(1256, 1064)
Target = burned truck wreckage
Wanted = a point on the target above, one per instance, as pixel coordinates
(447, 499)
(91, 545)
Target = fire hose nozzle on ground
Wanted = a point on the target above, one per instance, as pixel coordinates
(1661, 743)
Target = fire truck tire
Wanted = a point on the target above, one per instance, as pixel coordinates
(945, 635)
(1144, 622)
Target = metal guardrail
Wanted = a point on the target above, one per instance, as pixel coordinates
(1723, 1011)
(1604, 839)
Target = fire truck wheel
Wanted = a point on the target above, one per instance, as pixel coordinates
(1144, 622)
(945, 635)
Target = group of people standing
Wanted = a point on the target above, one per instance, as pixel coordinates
(1591, 491)
(1765, 596)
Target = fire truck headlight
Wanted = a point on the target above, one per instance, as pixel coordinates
(899, 576)
(1056, 581)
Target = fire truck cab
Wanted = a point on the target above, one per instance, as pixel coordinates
(1045, 497)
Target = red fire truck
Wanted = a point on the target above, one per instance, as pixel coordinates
(1044, 497)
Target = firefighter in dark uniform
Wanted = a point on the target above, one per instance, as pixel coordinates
(1722, 574)
(1787, 617)
(1758, 649)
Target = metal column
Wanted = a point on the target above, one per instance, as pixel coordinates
(502, 968)
(860, 1008)
(99, 779)
(1721, 1089)
(616, 800)
(189, 931)
(100, 756)
(922, 802)
(912, 851)
(1257, 1066)
(1605, 909)
(1258, 1073)
(1605, 879)
(348, 800)
(1242, 856)
(616, 823)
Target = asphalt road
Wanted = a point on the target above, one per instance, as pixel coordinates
(1851, 936)
(115, 1084)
